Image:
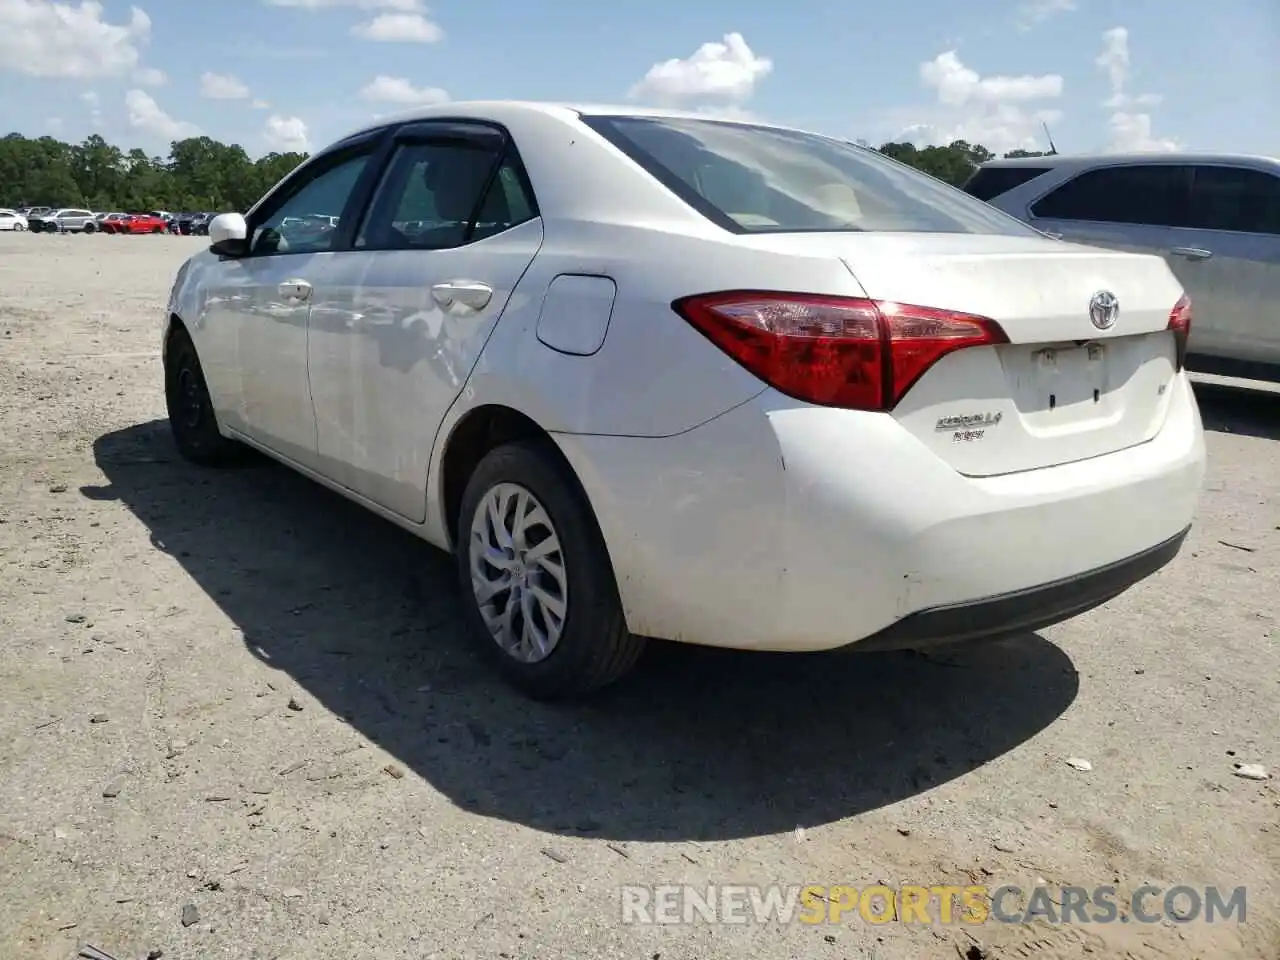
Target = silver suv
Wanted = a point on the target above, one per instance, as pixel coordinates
(1214, 218)
(66, 220)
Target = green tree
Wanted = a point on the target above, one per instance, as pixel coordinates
(198, 173)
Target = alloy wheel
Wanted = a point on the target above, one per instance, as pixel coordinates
(518, 572)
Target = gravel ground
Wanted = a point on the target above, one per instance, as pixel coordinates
(234, 699)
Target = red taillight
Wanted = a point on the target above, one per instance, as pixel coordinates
(834, 351)
(1180, 324)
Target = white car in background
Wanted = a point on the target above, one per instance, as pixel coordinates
(659, 375)
(12, 220)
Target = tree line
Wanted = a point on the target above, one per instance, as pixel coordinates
(201, 173)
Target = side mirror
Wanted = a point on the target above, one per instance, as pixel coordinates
(228, 235)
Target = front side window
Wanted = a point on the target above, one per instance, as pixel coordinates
(430, 198)
(1235, 198)
(307, 222)
(1150, 194)
(753, 179)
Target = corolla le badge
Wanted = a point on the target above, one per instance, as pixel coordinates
(969, 421)
(1104, 309)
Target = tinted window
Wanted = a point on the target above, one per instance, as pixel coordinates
(754, 179)
(307, 222)
(1233, 198)
(992, 181)
(430, 198)
(1156, 194)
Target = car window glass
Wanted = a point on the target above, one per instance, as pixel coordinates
(760, 179)
(307, 222)
(1235, 198)
(990, 182)
(1153, 194)
(430, 194)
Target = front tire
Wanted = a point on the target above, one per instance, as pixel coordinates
(191, 416)
(537, 584)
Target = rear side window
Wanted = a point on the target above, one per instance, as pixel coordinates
(1155, 194)
(1235, 198)
(990, 182)
(752, 179)
(431, 198)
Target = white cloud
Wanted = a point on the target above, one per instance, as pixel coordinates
(1000, 112)
(396, 21)
(261, 105)
(50, 39)
(218, 86)
(724, 71)
(958, 85)
(146, 116)
(1005, 128)
(399, 28)
(1035, 12)
(150, 77)
(1114, 58)
(384, 89)
(286, 134)
(1131, 127)
(94, 102)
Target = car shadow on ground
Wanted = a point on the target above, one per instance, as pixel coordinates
(1244, 408)
(697, 744)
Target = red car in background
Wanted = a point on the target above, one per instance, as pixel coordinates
(133, 223)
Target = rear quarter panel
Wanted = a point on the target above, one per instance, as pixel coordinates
(654, 375)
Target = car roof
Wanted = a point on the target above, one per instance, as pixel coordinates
(1056, 161)
(502, 110)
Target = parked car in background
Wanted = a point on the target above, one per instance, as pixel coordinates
(12, 220)
(1214, 218)
(66, 220)
(113, 222)
(192, 224)
(30, 212)
(661, 375)
(134, 223)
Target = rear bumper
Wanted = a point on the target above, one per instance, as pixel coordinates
(1023, 611)
(780, 526)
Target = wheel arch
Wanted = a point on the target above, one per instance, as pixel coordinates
(477, 432)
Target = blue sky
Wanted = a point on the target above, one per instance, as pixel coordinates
(281, 74)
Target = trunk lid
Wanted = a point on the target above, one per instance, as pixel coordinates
(1062, 390)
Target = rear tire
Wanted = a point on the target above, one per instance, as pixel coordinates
(191, 417)
(575, 639)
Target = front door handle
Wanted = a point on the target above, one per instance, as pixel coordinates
(295, 290)
(468, 293)
(1192, 253)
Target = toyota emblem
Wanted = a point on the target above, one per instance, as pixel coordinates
(1104, 309)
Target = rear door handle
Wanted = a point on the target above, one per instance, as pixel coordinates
(295, 290)
(1192, 253)
(469, 293)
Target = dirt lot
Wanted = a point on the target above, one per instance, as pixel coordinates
(234, 694)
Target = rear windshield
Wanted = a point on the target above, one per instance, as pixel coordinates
(753, 179)
(989, 182)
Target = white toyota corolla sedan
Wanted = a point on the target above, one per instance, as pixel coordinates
(658, 375)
